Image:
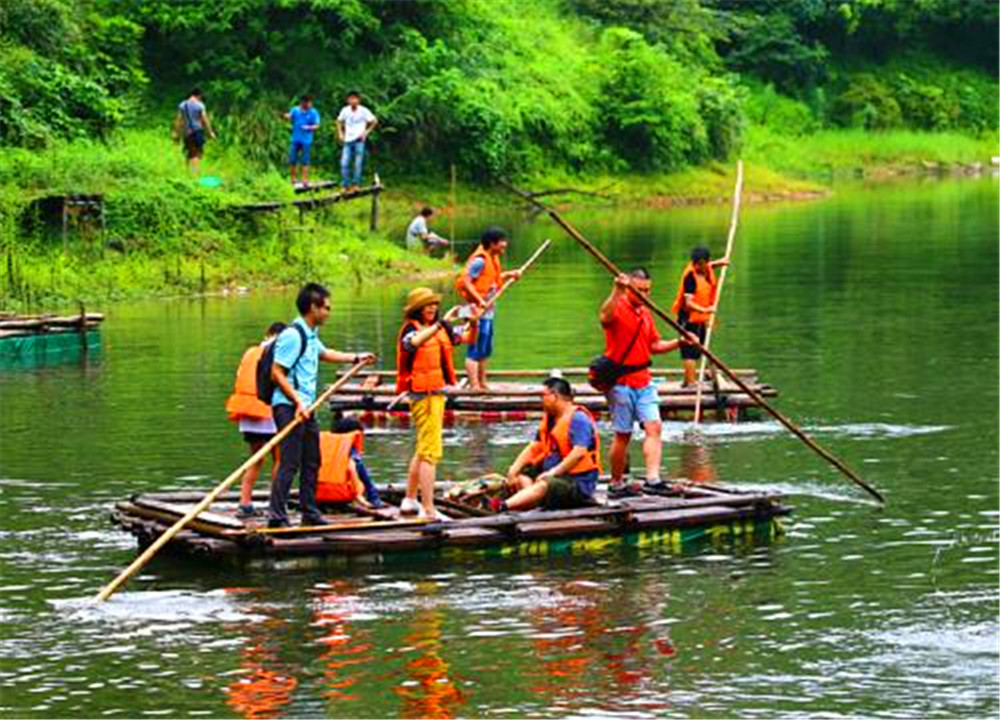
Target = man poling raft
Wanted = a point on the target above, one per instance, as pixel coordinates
(695, 305)
(479, 281)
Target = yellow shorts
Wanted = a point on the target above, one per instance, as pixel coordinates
(428, 418)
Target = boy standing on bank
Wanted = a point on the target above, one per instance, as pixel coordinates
(305, 122)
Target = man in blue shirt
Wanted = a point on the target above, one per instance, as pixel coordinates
(305, 122)
(561, 467)
(297, 354)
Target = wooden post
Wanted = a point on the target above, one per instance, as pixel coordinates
(376, 189)
(451, 202)
(65, 222)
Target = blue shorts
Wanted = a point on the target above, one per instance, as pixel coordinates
(297, 147)
(630, 405)
(483, 347)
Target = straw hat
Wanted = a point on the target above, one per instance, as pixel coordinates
(419, 298)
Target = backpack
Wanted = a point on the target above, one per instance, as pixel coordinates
(266, 385)
(603, 372)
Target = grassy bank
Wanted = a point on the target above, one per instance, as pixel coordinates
(166, 235)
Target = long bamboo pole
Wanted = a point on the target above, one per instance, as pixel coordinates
(109, 589)
(792, 427)
(489, 303)
(733, 220)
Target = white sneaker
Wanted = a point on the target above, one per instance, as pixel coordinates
(410, 506)
(438, 515)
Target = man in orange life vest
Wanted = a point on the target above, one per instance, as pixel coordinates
(424, 367)
(343, 476)
(254, 418)
(695, 304)
(561, 467)
(630, 338)
(479, 281)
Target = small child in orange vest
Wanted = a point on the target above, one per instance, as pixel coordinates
(254, 418)
(343, 476)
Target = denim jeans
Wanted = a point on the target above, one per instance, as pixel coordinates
(299, 452)
(355, 149)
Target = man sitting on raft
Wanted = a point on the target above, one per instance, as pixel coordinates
(560, 468)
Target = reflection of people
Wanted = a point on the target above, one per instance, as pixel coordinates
(696, 464)
(254, 418)
(266, 689)
(343, 476)
(631, 339)
(419, 236)
(694, 305)
(305, 121)
(478, 282)
(424, 368)
(354, 123)
(192, 118)
(561, 467)
(297, 354)
(435, 694)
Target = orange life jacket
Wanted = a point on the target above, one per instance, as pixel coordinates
(704, 294)
(556, 439)
(244, 403)
(430, 367)
(336, 481)
(487, 281)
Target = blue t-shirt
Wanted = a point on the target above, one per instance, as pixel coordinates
(301, 118)
(581, 433)
(304, 374)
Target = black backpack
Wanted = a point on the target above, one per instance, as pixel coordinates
(265, 385)
(603, 372)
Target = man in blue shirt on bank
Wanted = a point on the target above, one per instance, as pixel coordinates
(297, 354)
(305, 122)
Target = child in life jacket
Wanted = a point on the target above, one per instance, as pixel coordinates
(343, 476)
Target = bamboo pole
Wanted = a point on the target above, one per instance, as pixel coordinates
(733, 220)
(109, 589)
(792, 427)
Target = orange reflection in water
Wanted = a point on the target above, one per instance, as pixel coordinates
(343, 654)
(696, 463)
(433, 694)
(267, 686)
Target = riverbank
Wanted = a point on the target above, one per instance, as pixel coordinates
(164, 234)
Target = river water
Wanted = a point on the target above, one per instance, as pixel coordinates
(874, 312)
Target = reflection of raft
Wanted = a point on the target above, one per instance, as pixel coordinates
(515, 393)
(682, 517)
(28, 341)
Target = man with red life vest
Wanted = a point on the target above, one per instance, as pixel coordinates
(631, 339)
(254, 418)
(478, 282)
(560, 468)
(424, 368)
(343, 476)
(695, 304)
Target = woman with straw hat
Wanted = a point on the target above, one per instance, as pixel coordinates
(424, 367)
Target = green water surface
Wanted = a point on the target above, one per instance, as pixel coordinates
(874, 312)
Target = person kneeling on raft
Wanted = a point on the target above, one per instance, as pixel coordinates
(560, 468)
(343, 476)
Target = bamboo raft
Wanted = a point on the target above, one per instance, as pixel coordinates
(518, 396)
(33, 340)
(675, 520)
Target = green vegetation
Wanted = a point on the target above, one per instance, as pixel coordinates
(654, 98)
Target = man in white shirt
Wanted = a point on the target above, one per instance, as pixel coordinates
(354, 123)
(418, 235)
